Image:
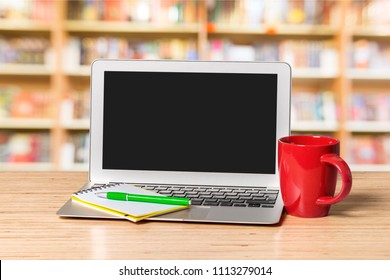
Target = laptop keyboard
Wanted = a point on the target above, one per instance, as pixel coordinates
(220, 196)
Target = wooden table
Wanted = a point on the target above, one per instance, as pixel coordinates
(358, 228)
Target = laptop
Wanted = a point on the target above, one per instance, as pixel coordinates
(206, 130)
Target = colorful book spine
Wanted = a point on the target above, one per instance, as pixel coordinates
(24, 50)
(370, 13)
(370, 107)
(311, 106)
(75, 150)
(258, 12)
(298, 53)
(76, 106)
(17, 103)
(370, 55)
(39, 10)
(368, 149)
(137, 11)
(83, 51)
(22, 147)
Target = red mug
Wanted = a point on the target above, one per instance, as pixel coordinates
(308, 167)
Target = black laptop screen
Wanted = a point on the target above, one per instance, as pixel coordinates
(200, 122)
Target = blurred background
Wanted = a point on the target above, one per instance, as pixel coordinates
(339, 52)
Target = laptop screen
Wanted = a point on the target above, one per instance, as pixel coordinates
(197, 122)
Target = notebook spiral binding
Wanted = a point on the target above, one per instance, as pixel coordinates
(97, 188)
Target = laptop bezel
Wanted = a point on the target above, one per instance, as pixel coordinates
(99, 66)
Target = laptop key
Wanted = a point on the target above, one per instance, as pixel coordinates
(258, 200)
(268, 202)
(231, 197)
(252, 191)
(196, 201)
(180, 195)
(192, 196)
(205, 196)
(165, 192)
(239, 205)
(267, 206)
(271, 196)
(238, 201)
(211, 200)
(177, 192)
(192, 193)
(253, 205)
(205, 193)
(226, 204)
(211, 203)
(245, 197)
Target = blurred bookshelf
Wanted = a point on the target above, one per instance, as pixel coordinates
(338, 49)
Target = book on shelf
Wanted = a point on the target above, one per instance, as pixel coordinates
(368, 54)
(257, 12)
(370, 106)
(241, 53)
(312, 106)
(76, 106)
(75, 150)
(299, 54)
(22, 147)
(83, 51)
(24, 50)
(42, 10)
(39, 10)
(309, 54)
(114, 10)
(266, 51)
(369, 149)
(370, 13)
(138, 11)
(17, 103)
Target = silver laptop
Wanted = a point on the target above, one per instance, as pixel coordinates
(205, 130)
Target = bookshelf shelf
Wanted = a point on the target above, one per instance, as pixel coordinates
(76, 124)
(301, 30)
(368, 126)
(314, 73)
(372, 31)
(27, 124)
(24, 25)
(81, 26)
(79, 71)
(369, 74)
(315, 126)
(25, 70)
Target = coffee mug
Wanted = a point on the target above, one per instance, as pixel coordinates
(308, 167)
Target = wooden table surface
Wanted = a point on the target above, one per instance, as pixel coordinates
(358, 228)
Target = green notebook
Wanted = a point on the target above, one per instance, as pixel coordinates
(130, 210)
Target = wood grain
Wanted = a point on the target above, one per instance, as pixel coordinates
(358, 228)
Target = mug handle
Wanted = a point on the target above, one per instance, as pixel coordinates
(346, 179)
